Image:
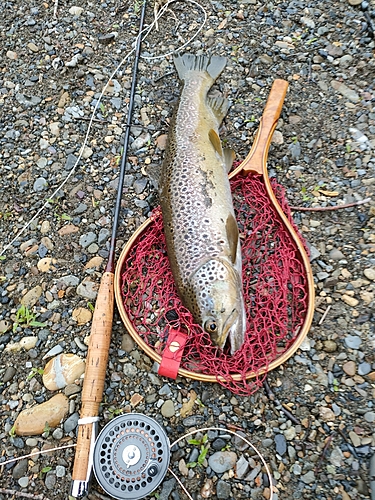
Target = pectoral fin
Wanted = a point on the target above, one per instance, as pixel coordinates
(229, 156)
(232, 235)
(215, 141)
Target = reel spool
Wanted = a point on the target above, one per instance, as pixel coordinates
(131, 456)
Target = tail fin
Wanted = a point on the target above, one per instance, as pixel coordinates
(185, 63)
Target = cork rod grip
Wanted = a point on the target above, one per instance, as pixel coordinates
(96, 365)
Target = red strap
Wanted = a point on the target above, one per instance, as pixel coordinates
(171, 358)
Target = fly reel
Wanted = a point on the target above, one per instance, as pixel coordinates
(131, 456)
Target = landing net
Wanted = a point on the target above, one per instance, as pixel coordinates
(275, 289)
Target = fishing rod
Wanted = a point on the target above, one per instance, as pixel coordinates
(101, 327)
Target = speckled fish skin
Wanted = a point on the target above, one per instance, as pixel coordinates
(199, 222)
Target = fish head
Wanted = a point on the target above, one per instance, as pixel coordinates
(219, 300)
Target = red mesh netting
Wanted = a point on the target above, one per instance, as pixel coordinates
(275, 289)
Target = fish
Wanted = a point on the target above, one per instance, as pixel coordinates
(200, 227)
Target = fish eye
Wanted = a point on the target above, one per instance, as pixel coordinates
(210, 326)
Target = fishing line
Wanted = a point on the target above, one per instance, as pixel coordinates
(144, 34)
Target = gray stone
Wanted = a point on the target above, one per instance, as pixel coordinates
(40, 184)
(103, 235)
(309, 477)
(50, 480)
(336, 254)
(130, 370)
(70, 280)
(222, 461)
(93, 248)
(239, 443)
(193, 420)
(280, 443)
(193, 455)
(71, 423)
(140, 185)
(364, 368)
(87, 289)
(58, 434)
(165, 390)
(167, 488)
(140, 141)
(353, 341)
(9, 374)
(168, 410)
(223, 490)
(60, 471)
(242, 467)
(86, 239)
(23, 482)
(27, 101)
(370, 416)
(20, 469)
(71, 160)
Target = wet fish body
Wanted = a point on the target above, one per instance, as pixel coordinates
(199, 222)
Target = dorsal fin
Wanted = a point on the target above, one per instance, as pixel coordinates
(215, 141)
(219, 106)
(232, 235)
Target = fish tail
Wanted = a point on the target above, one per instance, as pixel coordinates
(212, 65)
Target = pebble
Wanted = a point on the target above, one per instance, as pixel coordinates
(353, 341)
(347, 92)
(31, 297)
(242, 467)
(87, 289)
(26, 343)
(32, 421)
(86, 239)
(20, 469)
(349, 368)
(82, 315)
(50, 481)
(40, 184)
(329, 346)
(309, 477)
(336, 254)
(127, 343)
(221, 461)
(364, 368)
(369, 416)
(23, 482)
(71, 423)
(370, 273)
(223, 490)
(290, 433)
(69, 280)
(62, 370)
(8, 374)
(280, 443)
(168, 410)
(355, 439)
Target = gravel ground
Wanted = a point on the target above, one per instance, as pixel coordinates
(52, 72)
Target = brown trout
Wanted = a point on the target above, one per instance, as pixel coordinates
(199, 222)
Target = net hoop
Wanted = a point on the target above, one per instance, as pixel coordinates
(297, 338)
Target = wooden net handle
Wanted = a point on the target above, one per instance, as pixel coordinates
(256, 160)
(96, 366)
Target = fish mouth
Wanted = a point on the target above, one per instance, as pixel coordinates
(229, 330)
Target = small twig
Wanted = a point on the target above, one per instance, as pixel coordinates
(86, 118)
(324, 315)
(163, 76)
(272, 397)
(55, 8)
(22, 494)
(327, 209)
(324, 452)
